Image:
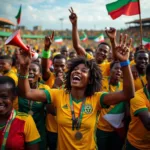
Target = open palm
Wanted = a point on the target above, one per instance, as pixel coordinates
(122, 50)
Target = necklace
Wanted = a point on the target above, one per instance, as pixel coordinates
(76, 122)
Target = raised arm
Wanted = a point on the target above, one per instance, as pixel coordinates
(75, 36)
(111, 33)
(121, 53)
(24, 89)
(46, 56)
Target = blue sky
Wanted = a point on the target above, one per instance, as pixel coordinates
(92, 14)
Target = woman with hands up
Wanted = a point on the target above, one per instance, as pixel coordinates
(78, 103)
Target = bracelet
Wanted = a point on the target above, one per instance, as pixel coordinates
(124, 63)
(46, 54)
(23, 77)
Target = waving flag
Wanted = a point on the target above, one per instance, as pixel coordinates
(123, 7)
(18, 17)
(146, 43)
(58, 40)
(100, 38)
(84, 38)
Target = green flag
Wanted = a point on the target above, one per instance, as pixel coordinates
(18, 17)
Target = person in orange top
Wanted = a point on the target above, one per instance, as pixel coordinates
(78, 103)
(138, 137)
(138, 70)
(101, 52)
(17, 130)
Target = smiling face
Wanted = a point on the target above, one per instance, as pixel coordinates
(101, 53)
(80, 76)
(6, 98)
(142, 60)
(34, 73)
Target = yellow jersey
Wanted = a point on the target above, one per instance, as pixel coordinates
(102, 123)
(138, 135)
(138, 82)
(66, 136)
(51, 124)
(105, 66)
(12, 75)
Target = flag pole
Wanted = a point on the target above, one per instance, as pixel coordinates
(141, 29)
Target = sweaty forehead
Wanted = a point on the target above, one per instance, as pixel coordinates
(142, 55)
(59, 61)
(103, 46)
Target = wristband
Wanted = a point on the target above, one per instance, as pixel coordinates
(23, 77)
(46, 54)
(124, 63)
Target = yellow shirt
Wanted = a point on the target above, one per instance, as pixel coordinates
(50, 82)
(102, 123)
(14, 69)
(12, 75)
(132, 63)
(138, 83)
(105, 66)
(138, 135)
(51, 124)
(66, 136)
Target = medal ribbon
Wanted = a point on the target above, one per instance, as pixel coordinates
(76, 122)
(30, 104)
(146, 92)
(7, 128)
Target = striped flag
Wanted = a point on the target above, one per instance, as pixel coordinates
(123, 7)
(100, 38)
(84, 38)
(58, 40)
(146, 43)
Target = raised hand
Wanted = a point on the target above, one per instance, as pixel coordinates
(48, 41)
(111, 33)
(59, 80)
(73, 16)
(122, 51)
(25, 57)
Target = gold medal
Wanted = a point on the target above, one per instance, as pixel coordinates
(30, 112)
(78, 135)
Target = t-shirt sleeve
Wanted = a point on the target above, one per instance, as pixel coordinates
(31, 133)
(50, 81)
(51, 96)
(88, 56)
(137, 105)
(100, 98)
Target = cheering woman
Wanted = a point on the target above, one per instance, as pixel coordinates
(78, 103)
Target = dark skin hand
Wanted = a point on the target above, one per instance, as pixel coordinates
(45, 61)
(75, 36)
(111, 33)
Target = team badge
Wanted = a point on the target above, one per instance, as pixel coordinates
(88, 109)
